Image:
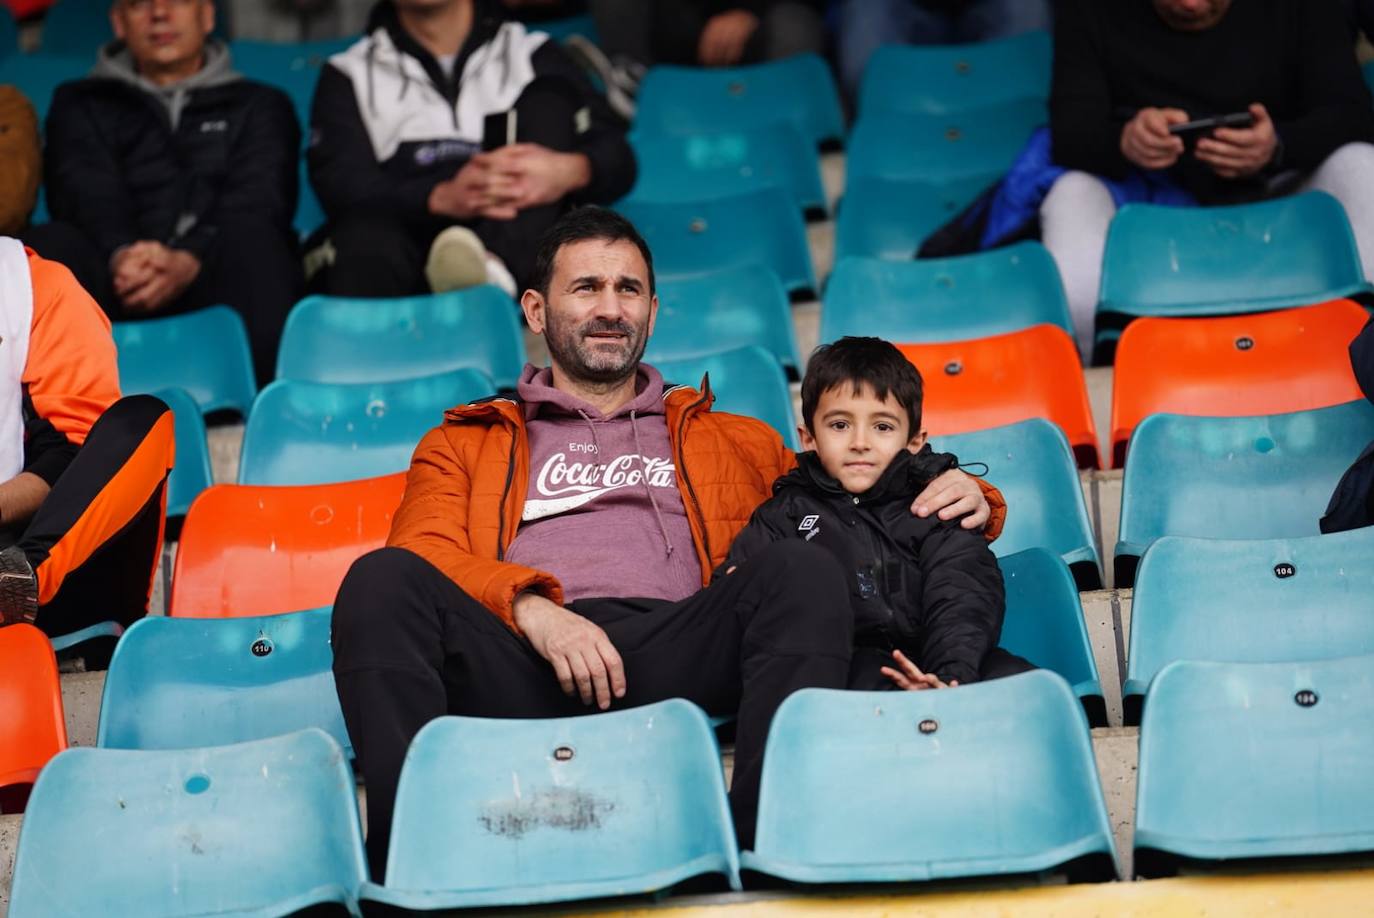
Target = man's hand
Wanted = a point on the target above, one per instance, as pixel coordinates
(583, 658)
(525, 175)
(1146, 141)
(953, 494)
(909, 678)
(469, 193)
(724, 37)
(1238, 152)
(132, 266)
(154, 277)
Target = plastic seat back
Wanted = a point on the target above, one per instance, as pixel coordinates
(844, 772)
(882, 218)
(1189, 261)
(38, 75)
(343, 340)
(1251, 601)
(292, 67)
(192, 473)
(1262, 363)
(313, 433)
(945, 299)
(732, 307)
(1031, 463)
(259, 550)
(796, 90)
(204, 352)
(938, 148)
(262, 828)
(515, 812)
(76, 28)
(179, 683)
(944, 78)
(1001, 379)
(1262, 477)
(9, 34)
(689, 167)
(1255, 760)
(32, 728)
(746, 380)
(759, 227)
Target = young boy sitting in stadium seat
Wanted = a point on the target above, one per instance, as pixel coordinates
(927, 594)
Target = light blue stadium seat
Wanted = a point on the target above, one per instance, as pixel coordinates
(38, 75)
(945, 78)
(567, 27)
(943, 147)
(344, 340)
(519, 812)
(292, 67)
(1031, 463)
(880, 218)
(204, 352)
(191, 474)
(1255, 760)
(1189, 261)
(180, 683)
(758, 227)
(1251, 601)
(796, 90)
(746, 380)
(690, 167)
(262, 828)
(76, 27)
(1263, 477)
(1044, 623)
(302, 433)
(986, 779)
(945, 299)
(9, 35)
(699, 314)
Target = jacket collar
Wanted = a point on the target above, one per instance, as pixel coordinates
(486, 20)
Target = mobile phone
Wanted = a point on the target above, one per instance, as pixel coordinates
(498, 130)
(1192, 129)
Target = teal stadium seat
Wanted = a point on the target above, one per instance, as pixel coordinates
(76, 27)
(796, 90)
(945, 299)
(882, 218)
(520, 812)
(945, 78)
(1250, 601)
(181, 683)
(9, 34)
(1044, 624)
(941, 147)
(1263, 477)
(758, 227)
(192, 473)
(263, 828)
(566, 27)
(1255, 760)
(204, 352)
(301, 433)
(1033, 466)
(738, 306)
(690, 167)
(888, 787)
(39, 74)
(746, 380)
(1189, 261)
(347, 340)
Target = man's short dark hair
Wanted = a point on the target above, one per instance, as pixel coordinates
(860, 362)
(580, 224)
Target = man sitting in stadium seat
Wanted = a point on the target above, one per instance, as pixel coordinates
(1125, 72)
(82, 472)
(172, 180)
(444, 143)
(551, 551)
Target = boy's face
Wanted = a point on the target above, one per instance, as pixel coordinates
(857, 435)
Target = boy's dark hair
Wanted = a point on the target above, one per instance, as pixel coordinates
(579, 224)
(857, 362)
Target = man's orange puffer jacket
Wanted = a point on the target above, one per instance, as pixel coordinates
(466, 489)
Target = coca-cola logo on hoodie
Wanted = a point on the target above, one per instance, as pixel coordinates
(562, 485)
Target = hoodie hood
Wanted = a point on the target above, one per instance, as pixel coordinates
(904, 477)
(114, 62)
(542, 400)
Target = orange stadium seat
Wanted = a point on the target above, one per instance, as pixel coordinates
(259, 550)
(32, 728)
(1002, 379)
(1228, 366)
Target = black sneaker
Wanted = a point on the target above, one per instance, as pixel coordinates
(18, 588)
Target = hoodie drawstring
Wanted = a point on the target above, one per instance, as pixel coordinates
(644, 480)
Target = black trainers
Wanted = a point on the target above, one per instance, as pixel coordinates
(18, 588)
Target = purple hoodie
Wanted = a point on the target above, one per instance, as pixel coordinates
(603, 512)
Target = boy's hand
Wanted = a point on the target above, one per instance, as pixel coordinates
(909, 677)
(953, 494)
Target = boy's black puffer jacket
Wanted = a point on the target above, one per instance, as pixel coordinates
(926, 586)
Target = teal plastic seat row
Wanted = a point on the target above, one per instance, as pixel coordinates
(940, 147)
(746, 380)
(944, 78)
(889, 218)
(192, 473)
(203, 352)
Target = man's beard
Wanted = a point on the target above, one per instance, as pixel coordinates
(580, 359)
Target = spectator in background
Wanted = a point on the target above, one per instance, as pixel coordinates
(866, 25)
(172, 180)
(1125, 71)
(23, 159)
(412, 159)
